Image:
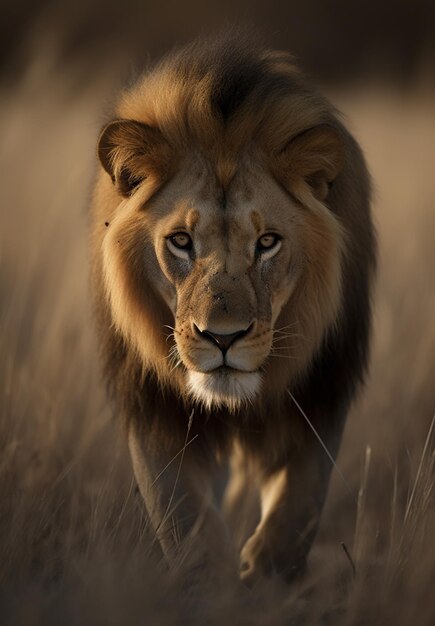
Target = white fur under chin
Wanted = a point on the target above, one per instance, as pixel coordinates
(224, 388)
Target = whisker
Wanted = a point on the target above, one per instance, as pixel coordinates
(171, 328)
(276, 349)
(276, 339)
(277, 330)
(173, 352)
(177, 364)
(287, 334)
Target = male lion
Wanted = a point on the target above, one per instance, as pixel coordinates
(233, 255)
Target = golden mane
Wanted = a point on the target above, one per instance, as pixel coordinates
(201, 98)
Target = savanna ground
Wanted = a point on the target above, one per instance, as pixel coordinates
(74, 542)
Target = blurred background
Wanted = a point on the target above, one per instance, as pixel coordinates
(74, 542)
(335, 40)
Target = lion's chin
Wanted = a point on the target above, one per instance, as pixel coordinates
(224, 388)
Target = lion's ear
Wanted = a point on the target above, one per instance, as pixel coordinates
(316, 155)
(130, 151)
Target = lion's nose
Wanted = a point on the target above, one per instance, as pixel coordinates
(223, 342)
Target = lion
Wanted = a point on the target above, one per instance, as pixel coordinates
(233, 255)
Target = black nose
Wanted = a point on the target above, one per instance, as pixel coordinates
(223, 342)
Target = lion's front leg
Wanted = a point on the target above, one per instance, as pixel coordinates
(241, 504)
(291, 501)
(179, 501)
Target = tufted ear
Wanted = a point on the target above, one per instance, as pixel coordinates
(316, 155)
(131, 151)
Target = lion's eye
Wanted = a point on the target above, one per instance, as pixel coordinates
(182, 241)
(268, 245)
(180, 245)
(266, 242)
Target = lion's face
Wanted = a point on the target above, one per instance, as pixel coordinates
(229, 263)
(250, 275)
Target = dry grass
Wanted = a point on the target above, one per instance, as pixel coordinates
(74, 545)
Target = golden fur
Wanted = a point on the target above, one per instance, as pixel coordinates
(225, 144)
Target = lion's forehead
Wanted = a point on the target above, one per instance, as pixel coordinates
(229, 229)
(237, 214)
(245, 208)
